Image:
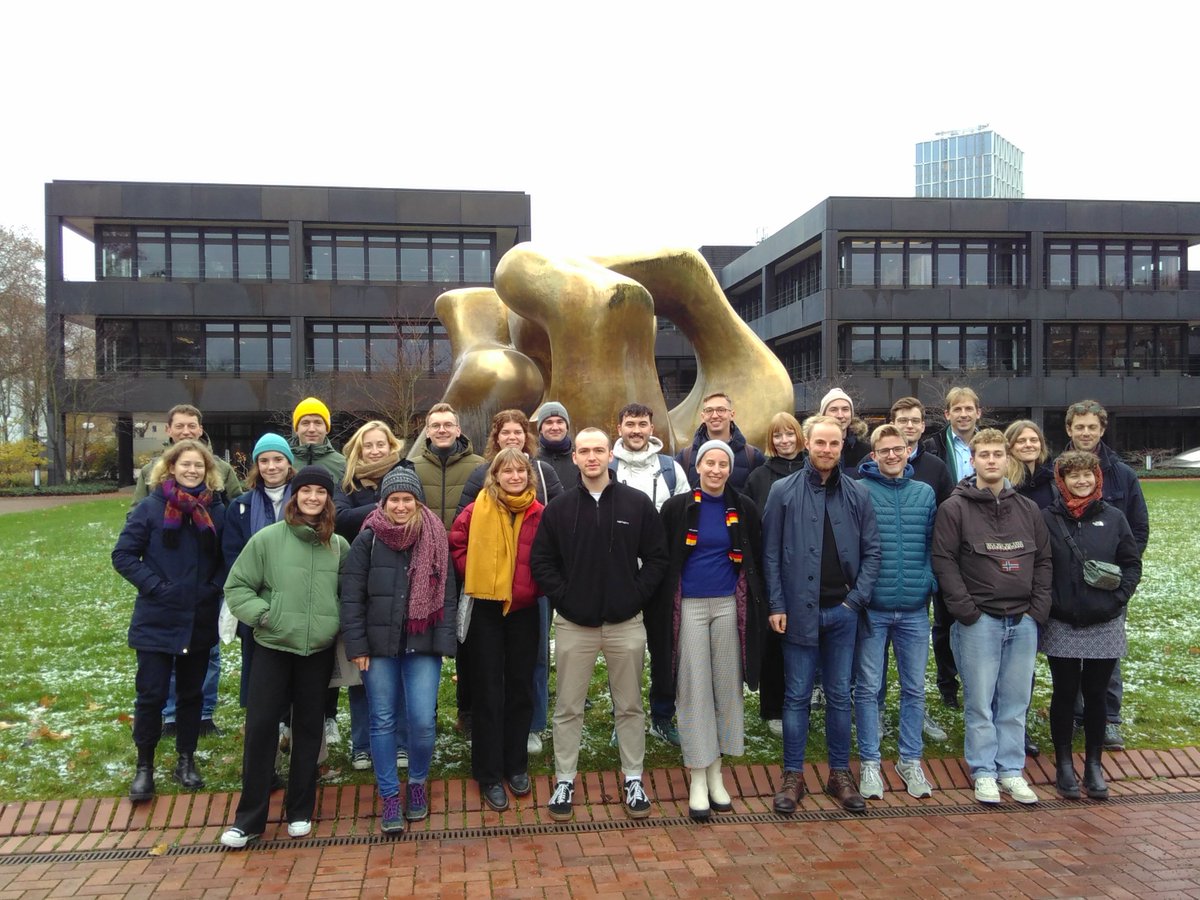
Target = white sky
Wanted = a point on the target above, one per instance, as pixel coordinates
(631, 125)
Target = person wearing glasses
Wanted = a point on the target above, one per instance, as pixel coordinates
(446, 462)
(716, 424)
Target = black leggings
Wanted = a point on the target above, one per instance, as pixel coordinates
(1073, 676)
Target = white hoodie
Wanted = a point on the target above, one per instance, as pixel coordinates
(642, 470)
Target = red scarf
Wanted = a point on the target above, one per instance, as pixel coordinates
(182, 505)
(1076, 505)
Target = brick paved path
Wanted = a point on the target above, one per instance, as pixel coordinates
(1144, 842)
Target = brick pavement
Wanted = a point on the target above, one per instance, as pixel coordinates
(1144, 842)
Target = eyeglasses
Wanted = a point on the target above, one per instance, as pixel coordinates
(891, 451)
(442, 426)
(909, 421)
(715, 410)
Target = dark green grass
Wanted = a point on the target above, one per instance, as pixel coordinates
(68, 675)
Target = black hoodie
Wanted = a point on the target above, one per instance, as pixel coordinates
(585, 556)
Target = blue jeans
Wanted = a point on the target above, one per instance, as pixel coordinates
(834, 654)
(995, 662)
(360, 721)
(208, 703)
(908, 633)
(541, 669)
(402, 687)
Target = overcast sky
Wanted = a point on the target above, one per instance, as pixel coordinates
(631, 125)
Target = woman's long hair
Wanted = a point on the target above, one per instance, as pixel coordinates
(1017, 472)
(322, 524)
(502, 418)
(353, 449)
(162, 467)
(506, 457)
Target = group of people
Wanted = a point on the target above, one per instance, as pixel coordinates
(731, 567)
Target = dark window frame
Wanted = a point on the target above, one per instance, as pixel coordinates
(139, 232)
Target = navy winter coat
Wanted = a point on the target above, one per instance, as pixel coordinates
(746, 457)
(1102, 534)
(793, 533)
(179, 588)
(905, 510)
(1123, 490)
(931, 470)
(1039, 486)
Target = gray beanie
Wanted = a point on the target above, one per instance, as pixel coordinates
(401, 478)
(551, 408)
(714, 445)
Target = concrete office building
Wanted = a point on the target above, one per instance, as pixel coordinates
(1035, 303)
(242, 299)
(973, 164)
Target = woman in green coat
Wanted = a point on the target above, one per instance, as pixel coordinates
(285, 586)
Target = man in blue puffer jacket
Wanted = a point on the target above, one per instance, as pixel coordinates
(899, 610)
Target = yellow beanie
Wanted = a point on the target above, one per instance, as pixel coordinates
(310, 406)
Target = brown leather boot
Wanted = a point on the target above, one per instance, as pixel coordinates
(789, 793)
(841, 788)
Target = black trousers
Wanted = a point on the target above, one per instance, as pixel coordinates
(152, 682)
(770, 678)
(943, 656)
(657, 619)
(1071, 677)
(278, 681)
(503, 651)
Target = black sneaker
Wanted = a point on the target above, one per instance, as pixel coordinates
(209, 728)
(168, 730)
(665, 730)
(637, 804)
(561, 801)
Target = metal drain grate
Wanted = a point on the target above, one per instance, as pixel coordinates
(466, 834)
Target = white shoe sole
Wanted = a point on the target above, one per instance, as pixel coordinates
(299, 829)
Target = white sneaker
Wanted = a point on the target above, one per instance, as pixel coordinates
(913, 776)
(332, 735)
(236, 838)
(775, 726)
(401, 759)
(986, 790)
(299, 829)
(1018, 788)
(534, 744)
(933, 730)
(870, 781)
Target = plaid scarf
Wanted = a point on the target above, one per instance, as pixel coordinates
(427, 564)
(184, 505)
(731, 522)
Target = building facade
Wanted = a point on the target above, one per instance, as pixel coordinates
(973, 164)
(243, 299)
(1034, 303)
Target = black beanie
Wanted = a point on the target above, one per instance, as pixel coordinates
(317, 475)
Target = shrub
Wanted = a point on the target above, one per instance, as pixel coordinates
(18, 459)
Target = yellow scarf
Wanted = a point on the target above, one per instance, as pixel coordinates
(492, 545)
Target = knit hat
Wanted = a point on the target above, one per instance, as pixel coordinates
(551, 408)
(401, 478)
(835, 394)
(317, 475)
(714, 444)
(310, 406)
(270, 442)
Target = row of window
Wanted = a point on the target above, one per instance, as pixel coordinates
(801, 357)
(189, 253)
(1003, 350)
(1004, 184)
(179, 253)
(440, 257)
(792, 285)
(1153, 265)
(129, 346)
(926, 262)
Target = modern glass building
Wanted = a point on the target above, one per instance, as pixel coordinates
(978, 163)
(242, 299)
(1034, 303)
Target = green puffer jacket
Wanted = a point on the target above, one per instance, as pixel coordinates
(286, 574)
(321, 454)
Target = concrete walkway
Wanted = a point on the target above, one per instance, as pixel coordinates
(1143, 842)
(49, 501)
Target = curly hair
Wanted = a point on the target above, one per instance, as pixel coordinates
(213, 479)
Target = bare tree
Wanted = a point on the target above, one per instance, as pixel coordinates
(23, 365)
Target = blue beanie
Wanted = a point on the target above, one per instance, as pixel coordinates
(269, 442)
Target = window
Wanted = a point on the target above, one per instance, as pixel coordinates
(1058, 265)
(801, 357)
(1144, 265)
(796, 282)
(1089, 349)
(914, 350)
(390, 256)
(127, 346)
(378, 347)
(976, 263)
(920, 263)
(1114, 264)
(891, 263)
(1087, 264)
(192, 254)
(947, 262)
(924, 262)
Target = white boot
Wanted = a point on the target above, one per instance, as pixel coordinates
(717, 795)
(698, 796)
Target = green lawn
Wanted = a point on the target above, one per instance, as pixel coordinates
(64, 712)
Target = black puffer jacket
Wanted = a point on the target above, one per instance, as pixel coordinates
(374, 592)
(758, 485)
(1102, 533)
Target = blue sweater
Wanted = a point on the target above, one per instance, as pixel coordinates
(904, 511)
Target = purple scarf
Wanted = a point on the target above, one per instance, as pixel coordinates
(427, 566)
(181, 504)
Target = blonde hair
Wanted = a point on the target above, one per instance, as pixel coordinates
(506, 457)
(213, 479)
(353, 449)
(783, 421)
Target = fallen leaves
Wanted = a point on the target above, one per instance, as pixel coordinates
(44, 732)
(158, 849)
(47, 701)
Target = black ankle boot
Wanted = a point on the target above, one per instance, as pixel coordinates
(142, 787)
(1064, 778)
(1093, 774)
(186, 774)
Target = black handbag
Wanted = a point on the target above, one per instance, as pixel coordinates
(1103, 575)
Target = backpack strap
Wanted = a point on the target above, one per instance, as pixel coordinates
(666, 466)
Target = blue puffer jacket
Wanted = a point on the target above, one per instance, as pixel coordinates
(904, 510)
(179, 588)
(793, 532)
